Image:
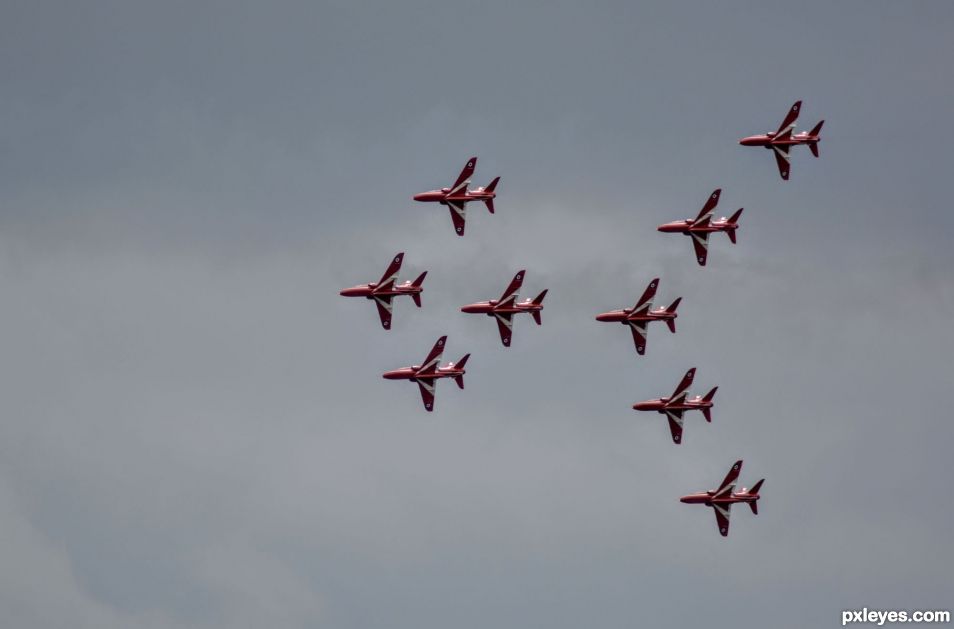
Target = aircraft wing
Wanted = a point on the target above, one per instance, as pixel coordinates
(428, 387)
(646, 301)
(700, 242)
(789, 123)
(705, 214)
(728, 483)
(464, 177)
(782, 160)
(675, 425)
(390, 275)
(383, 302)
(510, 295)
(680, 393)
(722, 517)
(505, 325)
(458, 213)
(434, 358)
(639, 335)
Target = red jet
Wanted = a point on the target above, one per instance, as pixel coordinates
(457, 196)
(700, 227)
(783, 140)
(722, 499)
(639, 316)
(678, 403)
(385, 290)
(427, 374)
(507, 306)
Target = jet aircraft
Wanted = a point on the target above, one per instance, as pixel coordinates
(700, 227)
(507, 306)
(722, 499)
(678, 403)
(386, 289)
(457, 196)
(430, 371)
(783, 140)
(639, 316)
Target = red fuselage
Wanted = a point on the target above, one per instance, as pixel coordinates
(367, 290)
(685, 227)
(414, 372)
(768, 140)
(661, 405)
(443, 196)
(624, 316)
(706, 498)
(490, 307)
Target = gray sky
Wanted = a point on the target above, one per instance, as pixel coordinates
(195, 432)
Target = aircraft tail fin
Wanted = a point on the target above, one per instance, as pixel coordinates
(538, 301)
(707, 411)
(460, 365)
(754, 505)
(813, 146)
(672, 309)
(417, 284)
(734, 219)
(489, 201)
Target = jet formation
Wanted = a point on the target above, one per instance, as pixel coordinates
(698, 229)
(722, 499)
(782, 141)
(507, 306)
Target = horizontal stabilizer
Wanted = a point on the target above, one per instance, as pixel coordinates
(813, 147)
(460, 383)
(536, 317)
(417, 299)
(754, 506)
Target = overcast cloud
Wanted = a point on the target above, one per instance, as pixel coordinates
(195, 432)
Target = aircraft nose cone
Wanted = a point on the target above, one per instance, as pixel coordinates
(684, 500)
(390, 375)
